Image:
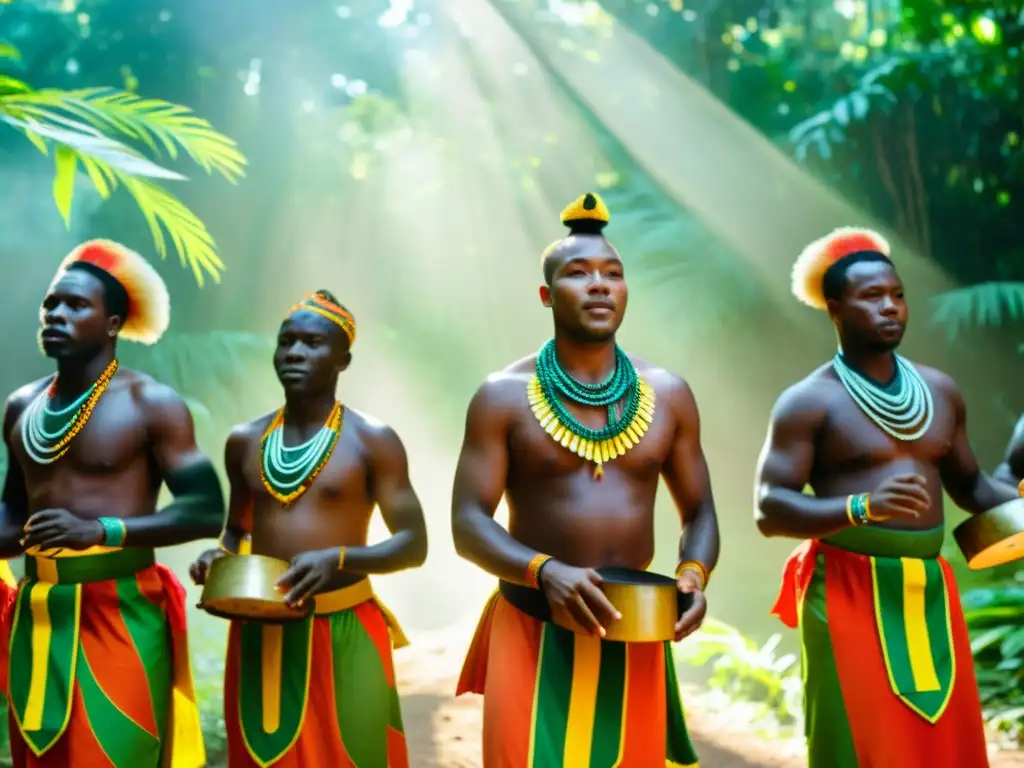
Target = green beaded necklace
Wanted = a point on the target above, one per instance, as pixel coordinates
(547, 388)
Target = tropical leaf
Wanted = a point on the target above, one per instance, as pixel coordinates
(93, 127)
(982, 305)
(161, 125)
(207, 369)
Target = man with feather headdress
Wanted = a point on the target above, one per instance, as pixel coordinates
(99, 670)
(888, 672)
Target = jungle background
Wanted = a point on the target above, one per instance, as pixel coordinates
(412, 156)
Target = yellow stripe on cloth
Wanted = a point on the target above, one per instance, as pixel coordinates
(922, 665)
(6, 575)
(579, 730)
(41, 629)
(355, 594)
(270, 648)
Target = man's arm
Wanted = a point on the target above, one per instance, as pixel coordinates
(14, 502)
(197, 511)
(1011, 470)
(238, 527)
(399, 506)
(686, 474)
(480, 484)
(969, 488)
(784, 469)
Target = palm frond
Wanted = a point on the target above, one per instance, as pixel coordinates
(161, 125)
(88, 127)
(983, 305)
(207, 369)
(110, 164)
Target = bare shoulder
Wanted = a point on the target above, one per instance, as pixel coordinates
(504, 391)
(156, 399)
(667, 385)
(808, 401)
(243, 435)
(18, 400)
(938, 381)
(371, 431)
(23, 395)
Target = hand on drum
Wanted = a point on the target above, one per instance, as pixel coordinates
(309, 573)
(576, 592)
(201, 567)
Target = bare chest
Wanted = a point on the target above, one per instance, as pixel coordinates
(854, 441)
(112, 441)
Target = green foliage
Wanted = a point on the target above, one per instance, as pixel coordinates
(97, 128)
(746, 672)
(207, 369)
(995, 617)
(981, 305)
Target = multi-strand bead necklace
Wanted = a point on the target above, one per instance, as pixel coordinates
(906, 413)
(289, 471)
(47, 432)
(623, 431)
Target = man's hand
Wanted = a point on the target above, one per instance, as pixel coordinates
(309, 573)
(201, 567)
(58, 528)
(575, 591)
(689, 583)
(904, 497)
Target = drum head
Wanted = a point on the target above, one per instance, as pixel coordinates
(1000, 553)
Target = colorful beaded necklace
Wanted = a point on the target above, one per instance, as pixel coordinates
(289, 471)
(47, 432)
(551, 383)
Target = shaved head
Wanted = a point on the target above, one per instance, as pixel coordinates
(573, 247)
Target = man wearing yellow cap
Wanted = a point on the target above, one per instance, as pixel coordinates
(576, 438)
(99, 668)
(304, 484)
(889, 677)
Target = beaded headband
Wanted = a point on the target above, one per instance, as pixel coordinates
(337, 314)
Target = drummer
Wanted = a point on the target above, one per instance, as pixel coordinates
(887, 660)
(580, 471)
(304, 484)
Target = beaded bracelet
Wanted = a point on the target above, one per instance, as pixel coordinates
(533, 570)
(341, 557)
(858, 509)
(114, 531)
(697, 567)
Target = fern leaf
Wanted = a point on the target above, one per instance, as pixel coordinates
(983, 305)
(164, 212)
(66, 162)
(161, 125)
(86, 140)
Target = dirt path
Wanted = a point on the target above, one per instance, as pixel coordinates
(444, 732)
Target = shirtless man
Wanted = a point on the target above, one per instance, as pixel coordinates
(889, 678)
(579, 502)
(304, 484)
(90, 449)
(1011, 470)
